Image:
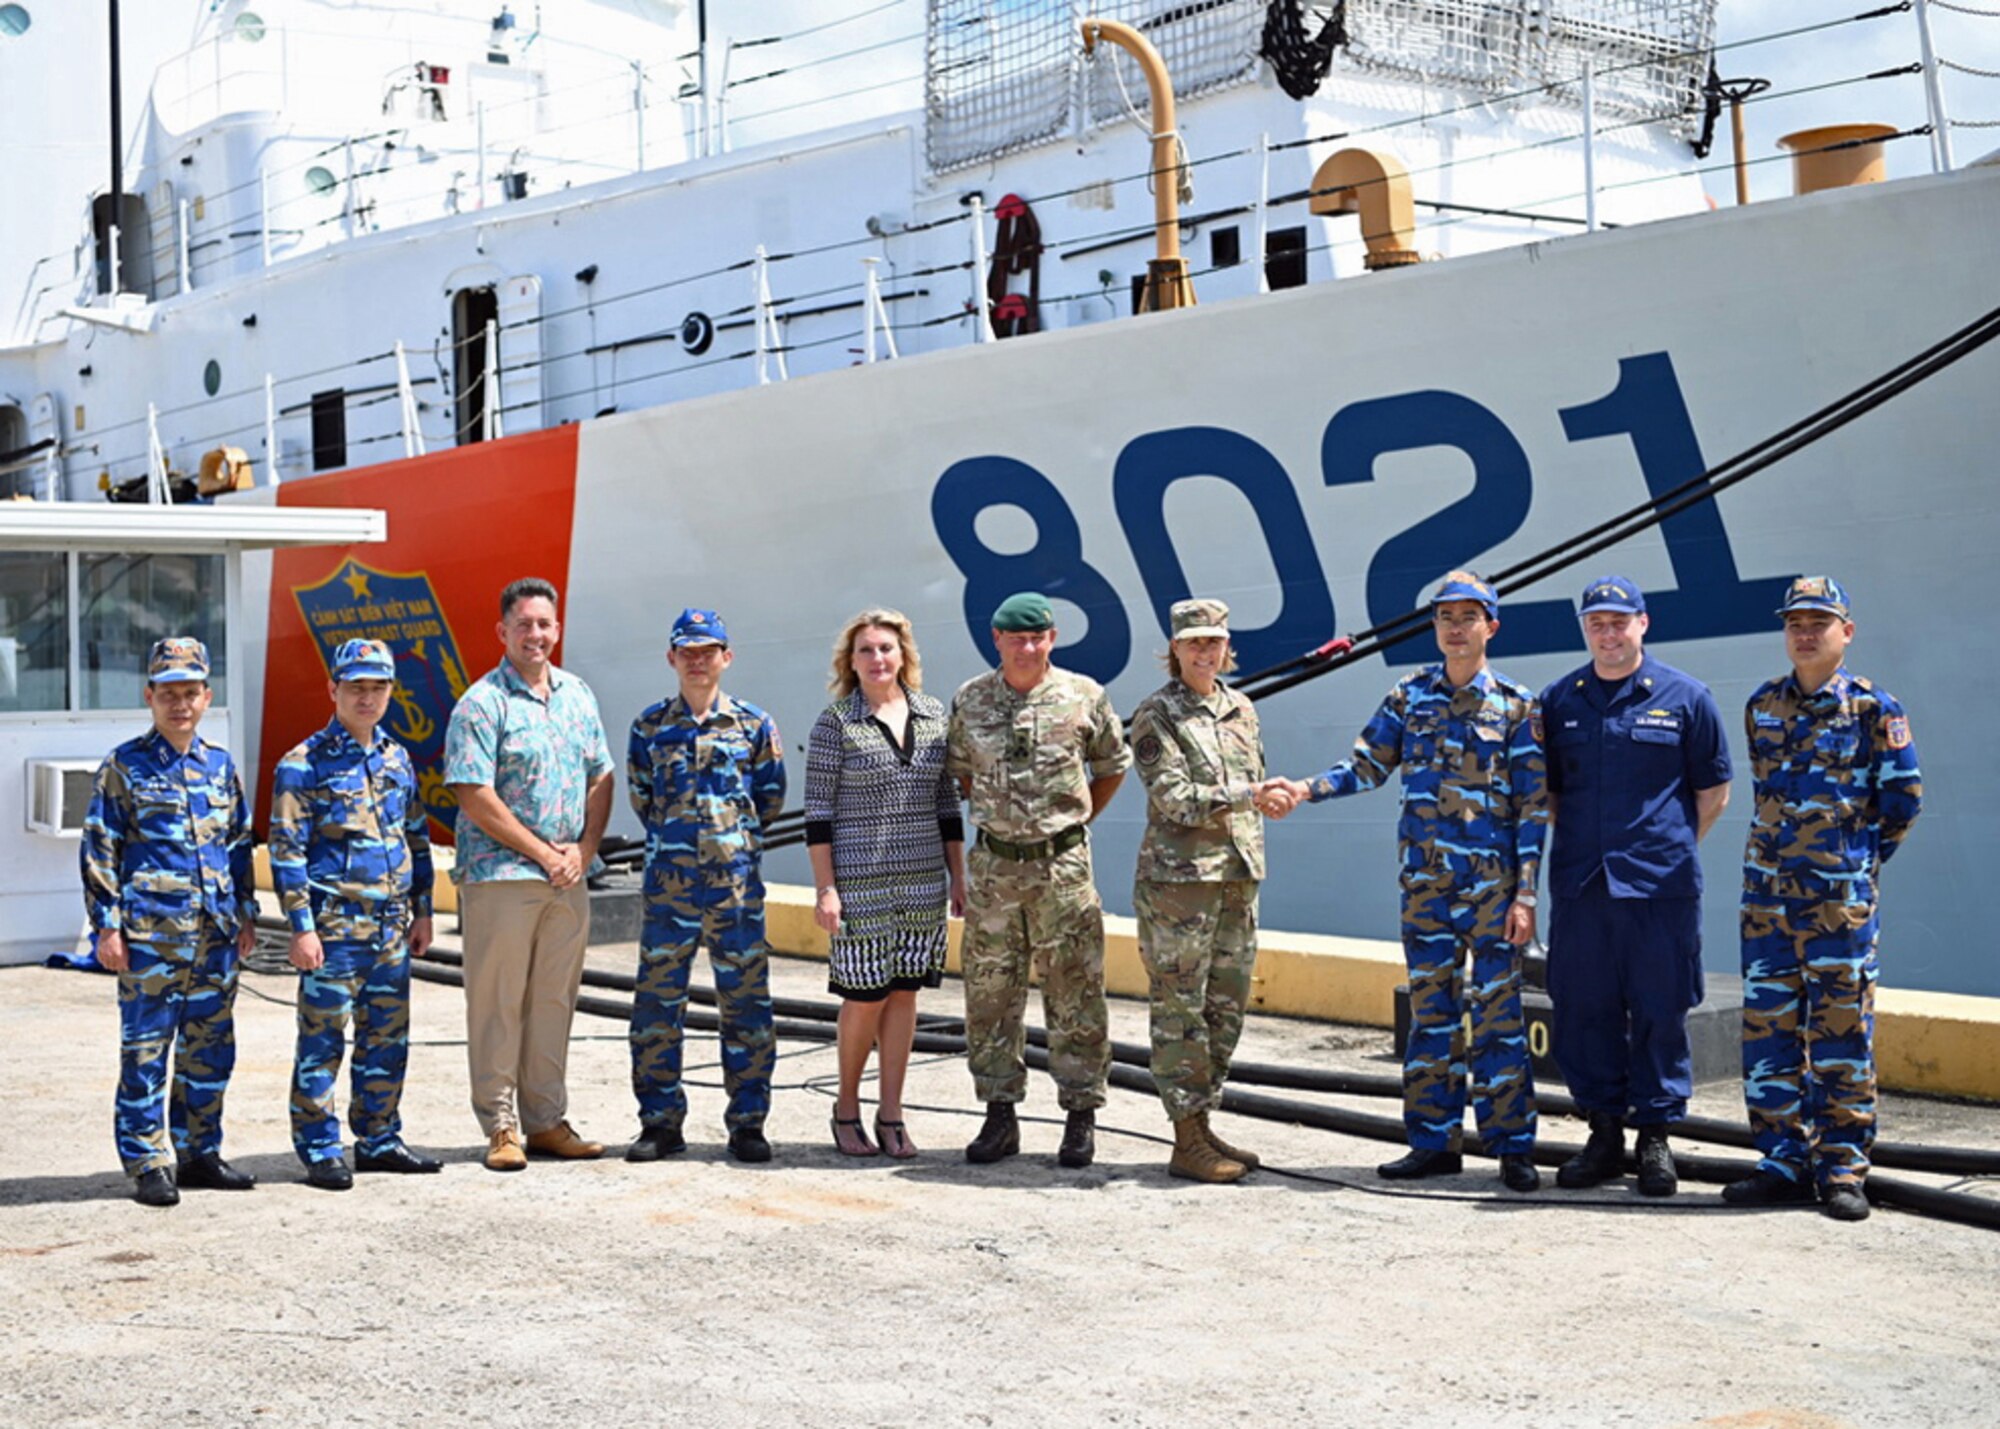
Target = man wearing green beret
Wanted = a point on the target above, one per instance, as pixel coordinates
(1039, 752)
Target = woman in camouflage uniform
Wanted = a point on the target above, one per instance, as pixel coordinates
(1198, 751)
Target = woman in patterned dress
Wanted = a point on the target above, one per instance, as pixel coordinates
(888, 857)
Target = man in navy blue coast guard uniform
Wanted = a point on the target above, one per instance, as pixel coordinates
(166, 883)
(1638, 771)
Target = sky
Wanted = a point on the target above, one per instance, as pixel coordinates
(55, 122)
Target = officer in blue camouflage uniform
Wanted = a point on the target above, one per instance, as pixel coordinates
(1837, 791)
(167, 886)
(706, 774)
(1474, 814)
(351, 861)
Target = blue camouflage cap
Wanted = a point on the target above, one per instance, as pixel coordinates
(1464, 585)
(1815, 593)
(699, 627)
(177, 660)
(1613, 593)
(363, 660)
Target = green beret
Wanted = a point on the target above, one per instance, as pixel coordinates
(1028, 610)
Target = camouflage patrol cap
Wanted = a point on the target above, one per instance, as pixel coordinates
(1613, 593)
(363, 660)
(1464, 585)
(176, 660)
(699, 627)
(1025, 611)
(1196, 619)
(1815, 593)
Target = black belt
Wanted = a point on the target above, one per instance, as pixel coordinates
(1063, 842)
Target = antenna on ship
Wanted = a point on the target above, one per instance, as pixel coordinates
(114, 286)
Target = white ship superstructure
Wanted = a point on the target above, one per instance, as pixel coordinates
(577, 290)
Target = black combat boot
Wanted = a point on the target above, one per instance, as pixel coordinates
(1657, 1176)
(998, 1138)
(1602, 1158)
(1079, 1143)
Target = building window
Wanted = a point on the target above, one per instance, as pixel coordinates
(128, 602)
(34, 632)
(1285, 258)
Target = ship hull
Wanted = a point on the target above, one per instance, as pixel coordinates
(1316, 458)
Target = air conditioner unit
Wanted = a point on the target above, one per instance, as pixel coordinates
(59, 796)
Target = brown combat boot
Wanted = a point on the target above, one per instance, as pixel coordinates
(1194, 1159)
(1250, 1159)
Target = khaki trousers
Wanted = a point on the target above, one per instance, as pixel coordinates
(524, 944)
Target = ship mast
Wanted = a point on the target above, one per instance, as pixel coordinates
(117, 160)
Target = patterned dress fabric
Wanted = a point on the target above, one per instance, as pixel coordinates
(887, 811)
(539, 755)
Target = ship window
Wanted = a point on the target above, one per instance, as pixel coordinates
(1285, 258)
(128, 602)
(471, 310)
(1138, 292)
(211, 377)
(249, 27)
(14, 20)
(320, 179)
(1225, 248)
(34, 630)
(329, 429)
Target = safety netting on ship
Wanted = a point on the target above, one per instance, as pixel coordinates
(1648, 56)
(1006, 76)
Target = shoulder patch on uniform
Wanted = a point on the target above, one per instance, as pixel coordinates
(1898, 727)
(1147, 749)
(1535, 726)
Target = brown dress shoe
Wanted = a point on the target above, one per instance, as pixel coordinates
(505, 1153)
(562, 1141)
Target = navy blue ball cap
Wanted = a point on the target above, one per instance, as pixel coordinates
(1613, 593)
(699, 627)
(1464, 585)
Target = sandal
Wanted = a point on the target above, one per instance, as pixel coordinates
(859, 1145)
(895, 1141)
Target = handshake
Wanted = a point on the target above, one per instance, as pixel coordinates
(1278, 796)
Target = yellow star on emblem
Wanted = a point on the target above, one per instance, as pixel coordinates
(357, 581)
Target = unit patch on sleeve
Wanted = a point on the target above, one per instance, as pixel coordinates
(1899, 732)
(1147, 750)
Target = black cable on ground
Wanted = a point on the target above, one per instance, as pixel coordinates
(1956, 1206)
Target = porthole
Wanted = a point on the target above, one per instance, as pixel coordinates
(249, 27)
(211, 377)
(15, 19)
(320, 179)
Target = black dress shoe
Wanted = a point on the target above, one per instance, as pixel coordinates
(1420, 1162)
(1602, 1158)
(1079, 1143)
(655, 1142)
(1518, 1173)
(397, 1159)
(1845, 1201)
(331, 1174)
(1764, 1187)
(212, 1173)
(1657, 1173)
(156, 1188)
(747, 1143)
(999, 1135)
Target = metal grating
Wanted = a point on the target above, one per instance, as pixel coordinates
(1004, 75)
(1649, 55)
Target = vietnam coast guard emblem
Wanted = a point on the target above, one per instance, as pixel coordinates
(358, 602)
